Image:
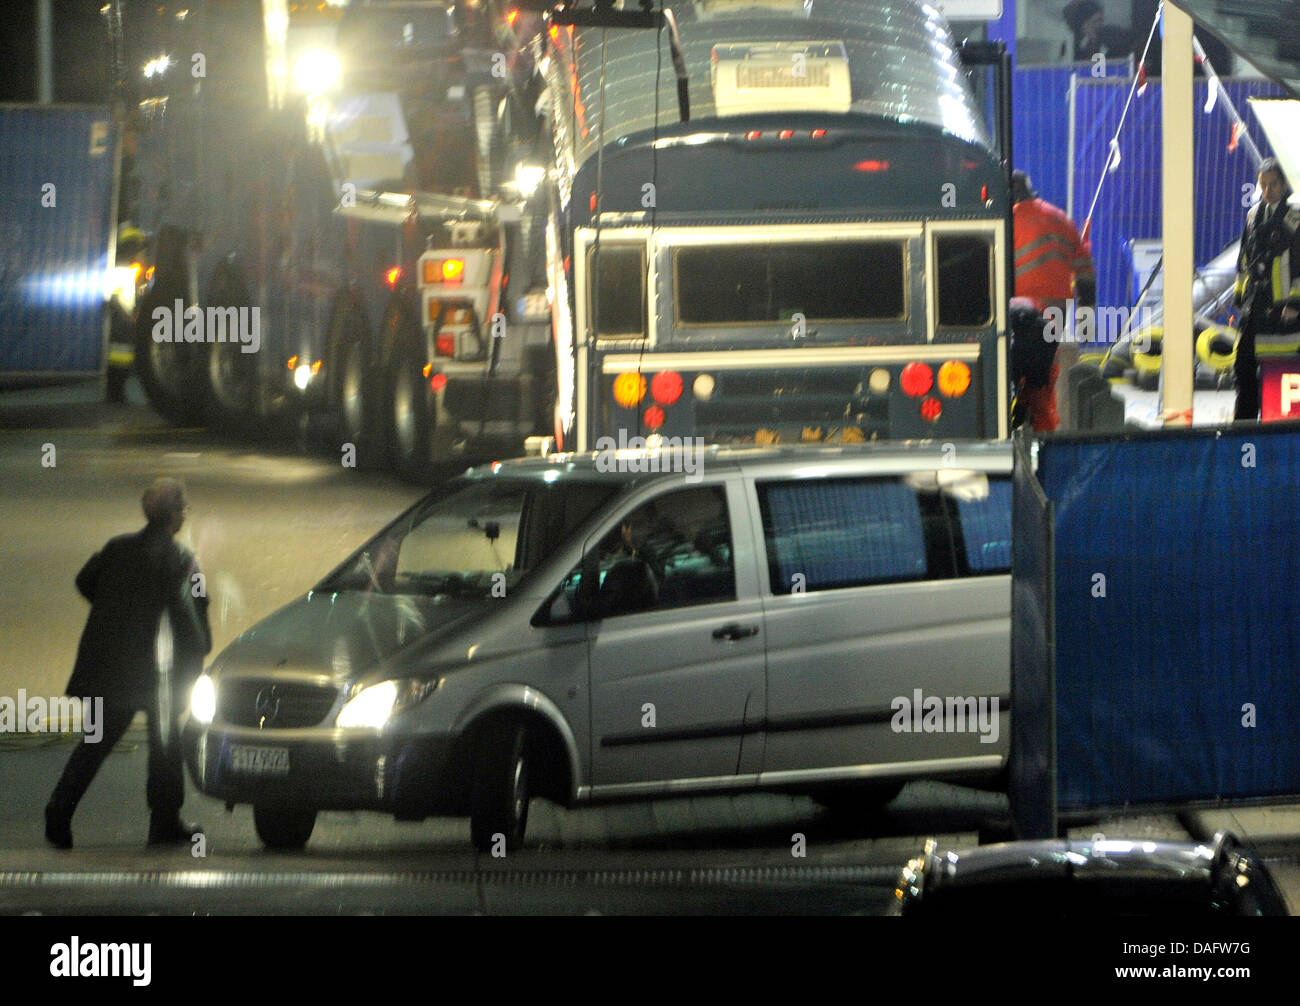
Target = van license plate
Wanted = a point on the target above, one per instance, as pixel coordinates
(258, 760)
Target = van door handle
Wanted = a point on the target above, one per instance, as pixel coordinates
(733, 632)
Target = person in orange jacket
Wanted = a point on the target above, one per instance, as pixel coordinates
(1053, 268)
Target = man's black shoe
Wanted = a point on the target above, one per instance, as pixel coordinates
(172, 831)
(58, 828)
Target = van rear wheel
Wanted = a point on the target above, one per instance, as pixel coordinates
(855, 802)
(502, 788)
(284, 828)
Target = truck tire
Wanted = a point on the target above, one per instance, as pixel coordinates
(502, 788)
(351, 378)
(281, 827)
(231, 383)
(410, 410)
(165, 369)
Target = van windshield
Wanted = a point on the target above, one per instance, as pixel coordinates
(476, 540)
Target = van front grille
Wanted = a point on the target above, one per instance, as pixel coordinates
(273, 704)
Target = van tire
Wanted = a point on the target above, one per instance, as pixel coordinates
(502, 787)
(283, 828)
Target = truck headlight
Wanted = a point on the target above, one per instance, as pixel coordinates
(316, 72)
(371, 708)
(203, 700)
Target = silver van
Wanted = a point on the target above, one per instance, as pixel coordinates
(626, 624)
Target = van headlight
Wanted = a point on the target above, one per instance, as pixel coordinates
(203, 700)
(371, 708)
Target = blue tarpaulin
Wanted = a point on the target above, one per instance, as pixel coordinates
(56, 186)
(1176, 615)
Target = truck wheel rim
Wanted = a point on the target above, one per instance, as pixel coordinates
(164, 362)
(404, 416)
(353, 401)
(228, 385)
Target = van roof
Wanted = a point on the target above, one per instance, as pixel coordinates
(629, 464)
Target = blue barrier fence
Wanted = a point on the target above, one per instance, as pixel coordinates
(1129, 206)
(1174, 627)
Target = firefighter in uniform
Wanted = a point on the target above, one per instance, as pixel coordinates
(1268, 280)
(1053, 267)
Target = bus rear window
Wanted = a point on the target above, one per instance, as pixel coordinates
(754, 284)
(619, 299)
(964, 264)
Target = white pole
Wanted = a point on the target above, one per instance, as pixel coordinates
(1177, 360)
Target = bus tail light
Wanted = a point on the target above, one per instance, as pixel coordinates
(931, 410)
(654, 417)
(916, 380)
(666, 387)
(954, 379)
(444, 344)
(629, 389)
(871, 166)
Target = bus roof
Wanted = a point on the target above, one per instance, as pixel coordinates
(901, 58)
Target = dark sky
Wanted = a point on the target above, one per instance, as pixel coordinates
(80, 51)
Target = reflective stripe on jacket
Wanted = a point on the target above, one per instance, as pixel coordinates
(1282, 285)
(1050, 255)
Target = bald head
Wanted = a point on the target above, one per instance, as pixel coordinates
(164, 504)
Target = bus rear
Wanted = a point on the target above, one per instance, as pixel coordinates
(817, 254)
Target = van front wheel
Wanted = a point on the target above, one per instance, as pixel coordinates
(502, 788)
(285, 828)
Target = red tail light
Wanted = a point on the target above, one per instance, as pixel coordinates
(871, 166)
(444, 344)
(666, 387)
(437, 382)
(785, 134)
(931, 410)
(753, 134)
(817, 134)
(654, 417)
(916, 380)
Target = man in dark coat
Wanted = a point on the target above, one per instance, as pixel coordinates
(142, 648)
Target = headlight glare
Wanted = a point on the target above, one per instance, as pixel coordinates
(370, 708)
(203, 700)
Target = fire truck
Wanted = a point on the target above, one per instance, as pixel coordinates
(451, 227)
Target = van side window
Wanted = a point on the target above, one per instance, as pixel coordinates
(823, 534)
(672, 552)
(984, 527)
